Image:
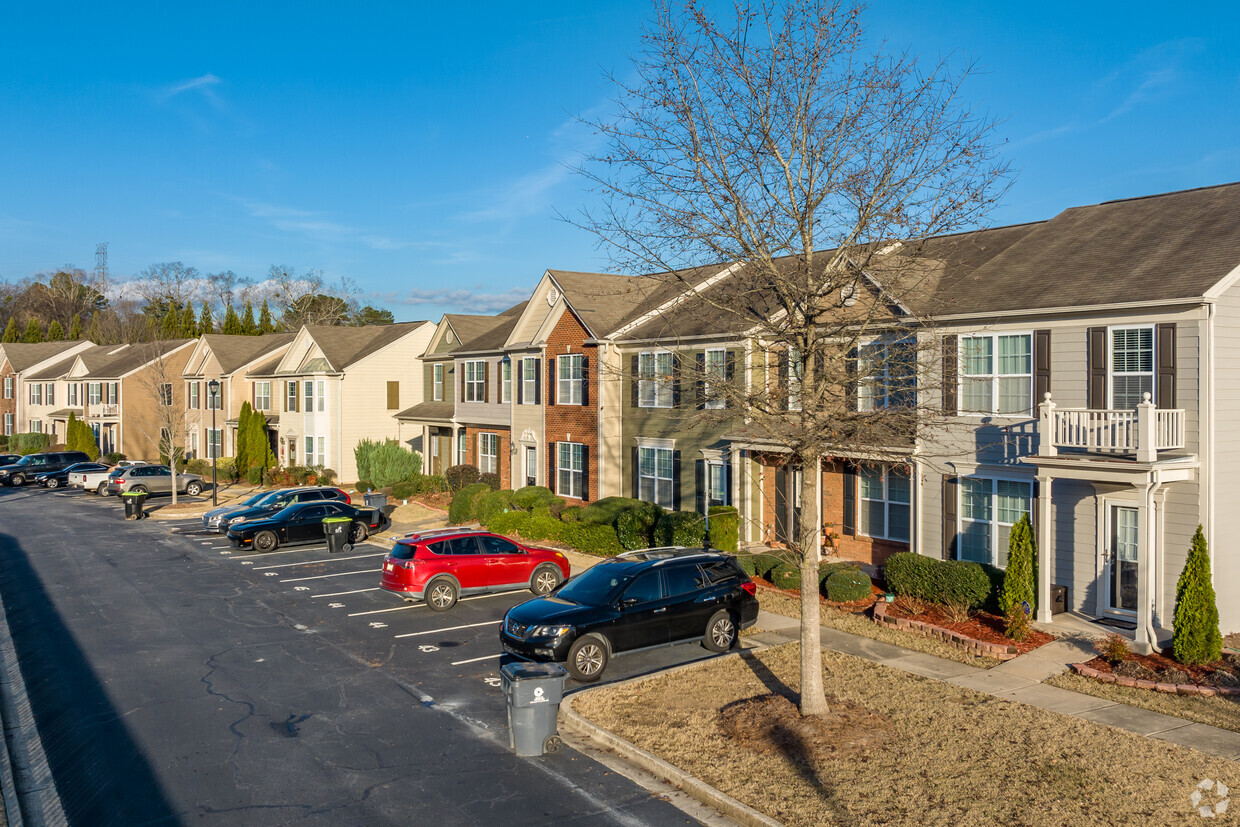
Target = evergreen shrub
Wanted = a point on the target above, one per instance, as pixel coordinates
(1195, 637)
(463, 505)
(680, 528)
(589, 538)
(532, 496)
(725, 525)
(459, 476)
(847, 585)
(636, 526)
(490, 504)
(490, 479)
(1018, 578)
(386, 463)
(509, 522)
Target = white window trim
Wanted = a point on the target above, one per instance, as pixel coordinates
(462, 448)
(529, 384)
(1152, 372)
(505, 381)
(994, 376)
(193, 396)
(887, 504)
(215, 442)
(657, 445)
(722, 465)
(994, 522)
(320, 394)
(573, 382)
(437, 382)
(8, 387)
(484, 438)
(8, 424)
(794, 379)
(560, 468)
(259, 395)
(475, 380)
(713, 400)
(659, 385)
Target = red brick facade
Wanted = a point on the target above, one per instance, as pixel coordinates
(572, 423)
(504, 459)
(8, 407)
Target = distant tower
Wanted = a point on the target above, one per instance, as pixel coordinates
(101, 262)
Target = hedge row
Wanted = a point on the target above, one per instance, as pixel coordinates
(842, 582)
(939, 581)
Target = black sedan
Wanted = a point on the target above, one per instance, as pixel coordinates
(60, 478)
(302, 523)
(638, 600)
(9, 459)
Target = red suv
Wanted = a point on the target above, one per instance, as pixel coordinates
(440, 566)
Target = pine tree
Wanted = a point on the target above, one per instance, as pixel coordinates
(232, 324)
(243, 431)
(189, 322)
(75, 328)
(205, 323)
(1018, 579)
(10, 332)
(55, 333)
(95, 331)
(34, 332)
(170, 324)
(265, 324)
(1195, 637)
(248, 327)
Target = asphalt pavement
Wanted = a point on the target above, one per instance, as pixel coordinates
(174, 678)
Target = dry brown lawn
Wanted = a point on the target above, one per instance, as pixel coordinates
(863, 626)
(951, 756)
(1219, 712)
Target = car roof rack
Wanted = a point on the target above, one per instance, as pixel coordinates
(664, 553)
(431, 532)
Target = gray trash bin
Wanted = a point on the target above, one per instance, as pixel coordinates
(533, 692)
(375, 500)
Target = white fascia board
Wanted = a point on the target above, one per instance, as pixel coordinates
(1077, 310)
(530, 307)
(148, 362)
(675, 300)
(1224, 284)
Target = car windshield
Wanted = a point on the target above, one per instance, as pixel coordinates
(595, 587)
(285, 513)
(267, 499)
(257, 498)
(116, 472)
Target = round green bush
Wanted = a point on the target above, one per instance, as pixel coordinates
(571, 514)
(587, 538)
(364, 485)
(404, 490)
(542, 526)
(459, 476)
(430, 484)
(938, 581)
(490, 479)
(848, 585)
(509, 522)
(532, 496)
(636, 526)
(681, 528)
(725, 524)
(786, 576)
(490, 504)
(462, 508)
(608, 510)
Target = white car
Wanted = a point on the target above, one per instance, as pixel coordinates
(97, 481)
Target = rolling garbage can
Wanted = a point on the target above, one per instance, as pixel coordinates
(337, 531)
(374, 500)
(133, 504)
(533, 692)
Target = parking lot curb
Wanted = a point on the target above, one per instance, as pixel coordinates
(30, 795)
(691, 785)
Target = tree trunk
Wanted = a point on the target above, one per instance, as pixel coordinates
(813, 694)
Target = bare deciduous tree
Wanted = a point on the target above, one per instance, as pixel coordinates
(162, 385)
(777, 143)
(309, 299)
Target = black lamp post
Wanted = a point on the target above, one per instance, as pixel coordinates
(213, 390)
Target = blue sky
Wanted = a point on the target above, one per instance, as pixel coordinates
(420, 149)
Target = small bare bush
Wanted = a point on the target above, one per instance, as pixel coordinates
(1113, 648)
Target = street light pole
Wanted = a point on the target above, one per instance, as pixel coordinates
(213, 389)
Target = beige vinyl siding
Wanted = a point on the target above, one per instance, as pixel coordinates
(490, 412)
(1074, 523)
(1225, 548)
(528, 426)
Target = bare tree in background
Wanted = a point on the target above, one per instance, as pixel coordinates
(776, 142)
(308, 299)
(161, 383)
(171, 282)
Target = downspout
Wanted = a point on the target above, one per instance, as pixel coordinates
(1154, 551)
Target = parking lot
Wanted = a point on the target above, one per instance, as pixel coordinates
(447, 661)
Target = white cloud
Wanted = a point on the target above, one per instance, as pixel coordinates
(467, 300)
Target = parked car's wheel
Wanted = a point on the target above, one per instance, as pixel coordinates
(194, 488)
(587, 658)
(357, 534)
(442, 594)
(546, 578)
(102, 490)
(139, 489)
(18, 479)
(53, 483)
(720, 632)
(265, 541)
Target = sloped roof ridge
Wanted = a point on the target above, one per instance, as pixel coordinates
(1159, 195)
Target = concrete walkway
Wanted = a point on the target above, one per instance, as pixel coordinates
(1020, 680)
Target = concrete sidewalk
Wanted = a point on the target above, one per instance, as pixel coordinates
(1020, 680)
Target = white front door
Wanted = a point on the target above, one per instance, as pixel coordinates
(1121, 572)
(531, 466)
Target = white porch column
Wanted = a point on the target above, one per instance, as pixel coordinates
(1046, 549)
(1046, 427)
(1147, 417)
(1144, 639)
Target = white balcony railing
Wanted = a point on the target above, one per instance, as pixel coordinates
(103, 410)
(1144, 431)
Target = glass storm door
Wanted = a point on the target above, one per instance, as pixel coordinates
(1122, 576)
(531, 466)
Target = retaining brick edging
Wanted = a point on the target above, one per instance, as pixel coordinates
(1166, 688)
(998, 651)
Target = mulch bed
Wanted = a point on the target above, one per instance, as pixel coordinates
(771, 724)
(981, 626)
(1160, 667)
(855, 607)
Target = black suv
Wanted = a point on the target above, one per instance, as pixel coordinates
(637, 600)
(31, 465)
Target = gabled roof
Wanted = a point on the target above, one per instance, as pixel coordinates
(117, 361)
(235, 352)
(603, 300)
(55, 370)
(491, 336)
(342, 346)
(22, 355)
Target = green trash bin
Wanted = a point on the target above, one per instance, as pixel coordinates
(337, 531)
(134, 501)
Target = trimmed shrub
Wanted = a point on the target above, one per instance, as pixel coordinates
(680, 528)
(996, 576)
(532, 496)
(847, 585)
(226, 469)
(589, 538)
(490, 479)
(404, 490)
(542, 526)
(365, 485)
(490, 504)
(326, 476)
(201, 467)
(431, 484)
(29, 443)
(556, 506)
(786, 576)
(254, 475)
(1195, 638)
(509, 522)
(608, 510)
(1018, 578)
(572, 514)
(114, 457)
(387, 462)
(636, 527)
(459, 476)
(725, 526)
(463, 503)
(937, 581)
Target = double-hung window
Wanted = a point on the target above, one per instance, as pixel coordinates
(215, 401)
(8, 424)
(214, 442)
(654, 385)
(794, 380)
(529, 381)
(488, 453)
(50, 394)
(290, 404)
(462, 448)
(716, 370)
(262, 396)
(570, 378)
(505, 380)
(36, 393)
(320, 393)
(72, 394)
(36, 426)
(988, 510)
(475, 381)
(309, 460)
(94, 393)
(193, 394)
(885, 375)
(437, 383)
(716, 484)
(192, 452)
(883, 501)
(996, 374)
(8, 387)
(113, 390)
(1132, 366)
(165, 394)
(654, 476)
(571, 466)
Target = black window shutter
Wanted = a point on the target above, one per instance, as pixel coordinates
(676, 371)
(675, 480)
(1041, 366)
(520, 380)
(849, 522)
(463, 373)
(729, 376)
(699, 486)
(585, 380)
(700, 380)
(636, 473)
(951, 370)
(781, 504)
(950, 551)
(585, 473)
(1165, 344)
(551, 377)
(633, 379)
(538, 381)
(1097, 367)
(553, 468)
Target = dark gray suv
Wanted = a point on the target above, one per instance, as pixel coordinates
(31, 465)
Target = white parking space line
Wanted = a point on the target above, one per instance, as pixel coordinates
(301, 550)
(338, 574)
(317, 562)
(341, 594)
(384, 611)
(450, 629)
(475, 660)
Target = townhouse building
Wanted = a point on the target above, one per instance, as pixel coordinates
(19, 362)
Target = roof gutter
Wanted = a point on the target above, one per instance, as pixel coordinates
(1076, 309)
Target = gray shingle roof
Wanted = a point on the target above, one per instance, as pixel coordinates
(22, 355)
(345, 345)
(114, 361)
(233, 352)
(434, 411)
